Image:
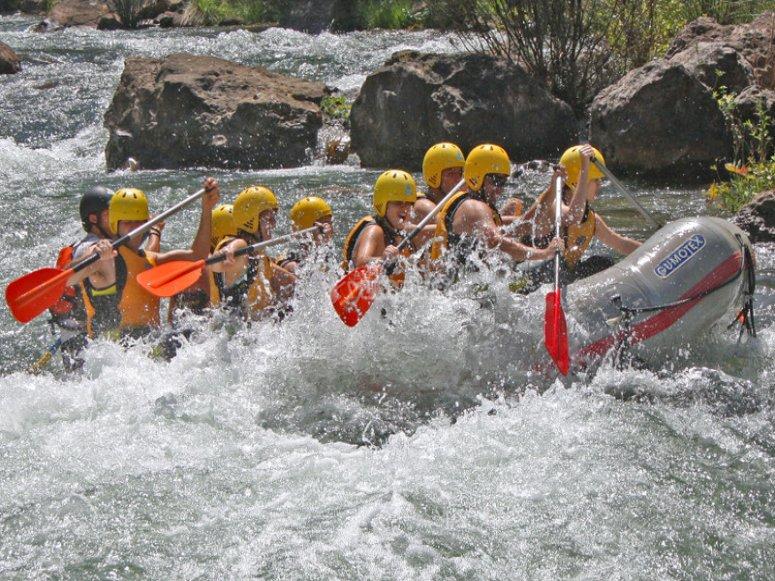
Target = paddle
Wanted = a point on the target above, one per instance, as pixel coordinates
(31, 294)
(172, 278)
(354, 294)
(618, 185)
(555, 328)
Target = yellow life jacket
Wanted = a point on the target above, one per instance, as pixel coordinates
(250, 294)
(351, 241)
(124, 306)
(578, 237)
(444, 236)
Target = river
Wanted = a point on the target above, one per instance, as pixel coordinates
(415, 445)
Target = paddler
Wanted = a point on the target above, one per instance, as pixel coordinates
(306, 213)
(69, 313)
(197, 298)
(251, 285)
(116, 305)
(470, 222)
(375, 238)
(580, 223)
(442, 169)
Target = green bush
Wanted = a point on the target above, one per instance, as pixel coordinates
(731, 196)
(388, 14)
(336, 107)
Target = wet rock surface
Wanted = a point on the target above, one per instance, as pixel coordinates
(416, 100)
(757, 217)
(9, 60)
(188, 110)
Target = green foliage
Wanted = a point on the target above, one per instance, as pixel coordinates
(389, 14)
(733, 195)
(725, 11)
(253, 11)
(751, 139)
(210, 12)
(336, 107)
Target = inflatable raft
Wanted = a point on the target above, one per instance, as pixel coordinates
(689, 275)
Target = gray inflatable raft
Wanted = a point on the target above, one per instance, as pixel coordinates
(689, 275)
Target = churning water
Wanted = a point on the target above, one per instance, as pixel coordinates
(420, 444)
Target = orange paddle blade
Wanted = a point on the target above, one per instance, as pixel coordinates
(30, 295)
(353, 295)
(171, 278)
(556, 332)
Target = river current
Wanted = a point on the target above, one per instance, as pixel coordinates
(417, 445)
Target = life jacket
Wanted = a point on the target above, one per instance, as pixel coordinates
(578, 237)
(445, 238)
(390, 236)
(69, 311)
(250, 293)
(125, 306)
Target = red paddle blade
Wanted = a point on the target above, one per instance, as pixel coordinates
(170, 278)
(353, 295)
(30, 295)
(556, 332)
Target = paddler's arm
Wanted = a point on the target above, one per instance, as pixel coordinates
(476, 218)
(424, 235)
(103, 272)
(422, 207)
(154, 238)
(371, 246)
(201, 245)
(232, 263)
(281, 280)
(575, 211)
(614, 240)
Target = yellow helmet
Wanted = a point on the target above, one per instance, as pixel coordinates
(393, 186)
(309, 210)
(438, 158)
(250, 204)
(223, 224)
(483, 160)
(127, 205)
(571, 160)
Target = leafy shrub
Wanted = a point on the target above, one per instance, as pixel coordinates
(731, 196)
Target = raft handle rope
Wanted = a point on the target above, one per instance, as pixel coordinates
(745, 317)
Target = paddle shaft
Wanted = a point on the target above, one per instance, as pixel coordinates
(557, 228)
(431, 215)
(618, 185)
(140, 229)
(253, 248)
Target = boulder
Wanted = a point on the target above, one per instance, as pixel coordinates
(9, 60)
(165, 20)
(660, 121)
(416, 100)
(757, 217)
(754, 40)
(187, 110)
(23, 6)
(716, 64)
(68, 13)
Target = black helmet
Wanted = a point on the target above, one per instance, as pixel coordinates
(93, 202)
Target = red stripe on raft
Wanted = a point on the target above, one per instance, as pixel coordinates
(666, 318)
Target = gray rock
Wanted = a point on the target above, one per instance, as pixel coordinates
(717, 64)
(9, 60)
(186, 110)
(754, 40)
(68, 13)
(416, 100)
(747, 107)
(757, 217)
(660, 121)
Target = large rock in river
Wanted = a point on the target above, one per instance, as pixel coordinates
(660, 121)
(758, 217)
(416, 100)
(68, 13)
(755, 41)
(188, 110)
(9, 60)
